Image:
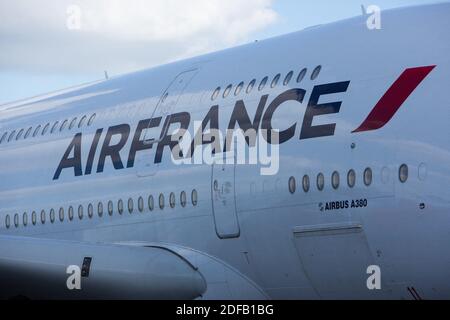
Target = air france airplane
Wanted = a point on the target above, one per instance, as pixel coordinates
(100, 200)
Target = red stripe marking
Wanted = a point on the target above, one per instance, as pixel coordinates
(394, 97)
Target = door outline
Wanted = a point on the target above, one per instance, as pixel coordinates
(162, 100)
(220, 213)
(144, 168)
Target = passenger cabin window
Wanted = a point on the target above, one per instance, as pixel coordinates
(301, 75)
(82, 120)
(61, 214)
(80, 212)
(36, 131)
(275, 81)
(110, 208)
(172, 200)
(70, 213)
(351, 178)
(52, 215)
(63, 125)
(19, 134)
(335, 180)
(250, 86)
(27, 134)
(215, 94)
(43, 216)
(72, 123)
(25, 219)
(120, 206)
(292, 185)
(263, 83)
(11, 136)
(227, 90)
(239, 88)
(90, 210)
(91, 119)
(161, 201)
(33, 218)
(7, 221)
(140, 204)
(100, 209)
(44, 131)
(288, 78)
(54, 127)
(194, 197)
(315, 72)
(130, 205)
(320, 181)
(183, 199)
(3, 137)
(367, 176)
(151, 203)
(305, 183)
(403, 173)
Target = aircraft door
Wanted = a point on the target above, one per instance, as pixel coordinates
(164, 108)
(224, 200)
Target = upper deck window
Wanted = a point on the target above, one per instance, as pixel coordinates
(3, 137)
(301, 75)
(44, 131)
(72, 123)
(36, 131)
(227, 90)
(63, 125)
(215, 94)
(11, 136)
(275, 81)
(82, 120)
(239, 88)
(316, 72)
(28, 132)
(54, 127)
(19, 134)
(262, 84)
(288, 78)
(250, 86)
(91, 119)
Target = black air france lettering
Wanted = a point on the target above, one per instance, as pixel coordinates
(138, 144)
(112, 151)
(72, 162)
(315, 109)
(290, 95)
(92, 151)
(183, 118)
(117, 137)
(241, 118)
(211, 118)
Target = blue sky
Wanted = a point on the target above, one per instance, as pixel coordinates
(40, 55)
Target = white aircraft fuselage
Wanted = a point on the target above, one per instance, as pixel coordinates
(362, 183)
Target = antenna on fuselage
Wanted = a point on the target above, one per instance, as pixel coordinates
(363, 9)
(106, 75)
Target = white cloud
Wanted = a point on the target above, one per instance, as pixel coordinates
(121, 35)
